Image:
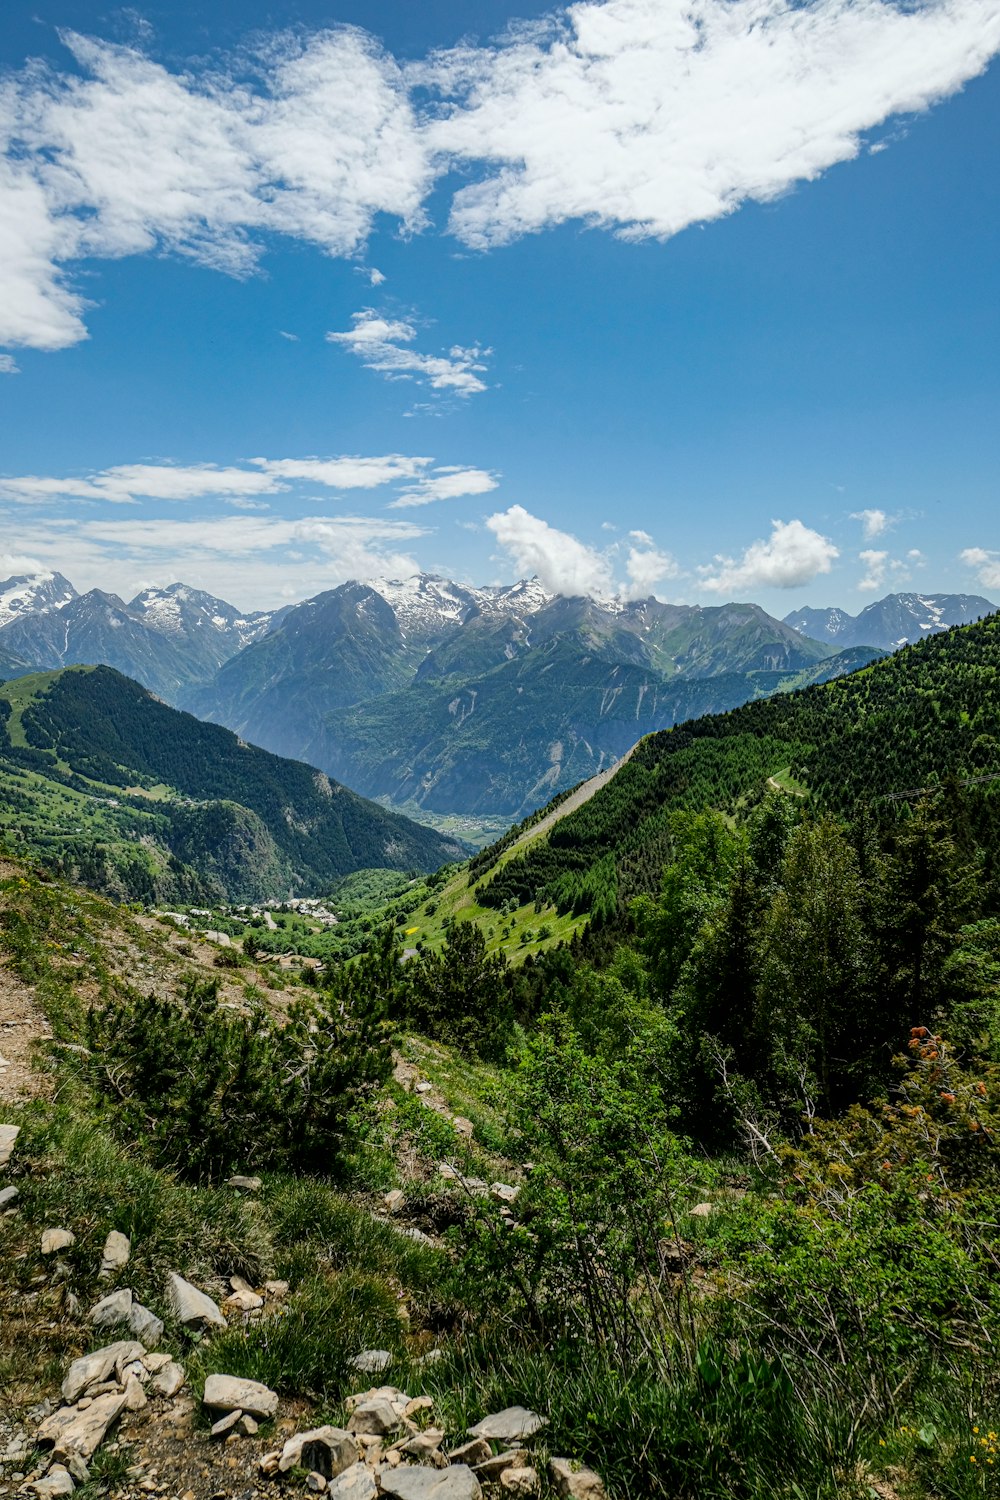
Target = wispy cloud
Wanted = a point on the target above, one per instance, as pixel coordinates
(9, 365)
(791, 556)
(643, 116)
(383, 344)
(448, 483)
(873, 522)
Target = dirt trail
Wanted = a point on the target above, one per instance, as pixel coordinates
(21, 1026)
(583, 793)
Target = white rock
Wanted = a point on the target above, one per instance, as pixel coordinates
(423, 1087)
(355, 1483)
(227, 1424)
(413, 1482)
(71, 1430)
(509, 1426)
(135, 1396)
(117, 1249)
(502, 1192)
(371, 1361)
(94, 1369)
(229, 1393)
(245, 1184)
(395, 1200)
(8, 1135)
(146, 1326)
(475, 1452)
(167, 1381)
(376, 1418)
(112, 1310)
(54, 1240)
(701, 1210)
(327, 1450)
(8, 1197)
(192, 1307)
(58, 1481)
(520, 1481)
(574, 1482)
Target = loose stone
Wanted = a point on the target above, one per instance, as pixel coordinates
(192, 1307)
(509, 1425)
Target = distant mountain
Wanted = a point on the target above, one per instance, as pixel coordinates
(489, 700)
(208, 630)
(98, 628)
(894, 621)
(28, 594)
(113, 787)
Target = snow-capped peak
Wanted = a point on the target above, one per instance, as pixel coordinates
(32, 594)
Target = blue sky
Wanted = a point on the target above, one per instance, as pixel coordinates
(288, 305)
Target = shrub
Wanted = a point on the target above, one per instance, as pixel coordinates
(206, 1088)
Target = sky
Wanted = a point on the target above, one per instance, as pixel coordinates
(698, 298)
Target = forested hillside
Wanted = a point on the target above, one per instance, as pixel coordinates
(132, 796)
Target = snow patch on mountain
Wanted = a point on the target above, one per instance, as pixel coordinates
(31, 594)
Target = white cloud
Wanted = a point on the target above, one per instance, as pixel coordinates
(255, 560)
(346, 473)
(875, 566)
(383, 344)
(563, 564)
(873, 522)
(792, 555)
(643, 116)
(650, 115)
(125, 484)
(9, 365)
(449, 483)
(646, 566)
(13, 565)
(375, 276)
(985, 565)
(292, 338)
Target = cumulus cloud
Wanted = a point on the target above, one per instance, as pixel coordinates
(563, 564)
(875, 566)
(446, 483)
(14, 564)
(643, 116)
(383, 344)
(985, 565)
(646, 566)
(873, 522)
(792, 555)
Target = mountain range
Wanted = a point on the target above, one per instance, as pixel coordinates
(898, 620)
(442, 698)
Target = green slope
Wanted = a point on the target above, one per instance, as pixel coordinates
(911, 720)
(111, 785)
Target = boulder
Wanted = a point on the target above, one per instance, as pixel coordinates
(422, 1444)
(490, 1470)
(572, 1481)
(54, 1240)
(371, 1361)
(168, 1380)
(476, 1452)
(94, 1369)
(411, 1482)
(245, 1184)
(117, 1249)
(509, 1426)
(113, 1310)
(58, 1481)
(502, 1192)
(8, 1197)
(227, 1424)
(520, 1481)
(72, 1431)
(146, 1326)
(327, 1450)
(228, 1393)
(355, 1483)
(193, 1308)
(8, 1135)
(375, 1418)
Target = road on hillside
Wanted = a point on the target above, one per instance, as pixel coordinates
(576, 799)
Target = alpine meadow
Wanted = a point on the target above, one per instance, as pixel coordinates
(499, 750)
